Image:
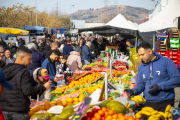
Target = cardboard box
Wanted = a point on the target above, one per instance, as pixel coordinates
(114, 47)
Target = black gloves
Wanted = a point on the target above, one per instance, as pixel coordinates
(154, 89)
(129, 91)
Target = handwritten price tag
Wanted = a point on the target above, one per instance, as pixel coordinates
(82, 109)
(175, 114)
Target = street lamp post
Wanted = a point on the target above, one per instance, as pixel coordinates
(36, 12)
(71, 16)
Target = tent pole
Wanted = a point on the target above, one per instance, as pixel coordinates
(153, 41)
(136, 42)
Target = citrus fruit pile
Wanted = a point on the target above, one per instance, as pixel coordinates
(69, 101)
(82, 81)
(105, 114)
(46, 106)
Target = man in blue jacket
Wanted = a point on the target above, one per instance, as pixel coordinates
(67, 48)
(49, 64)
(86, 53)
(157, 77)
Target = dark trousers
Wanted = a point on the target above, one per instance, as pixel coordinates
(160, 106)
(15, 116)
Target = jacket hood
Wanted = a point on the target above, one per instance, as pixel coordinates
(74, 53)
(158, 56)
(12, 69)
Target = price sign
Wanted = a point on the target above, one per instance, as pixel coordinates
(82, 109)
(175, 114)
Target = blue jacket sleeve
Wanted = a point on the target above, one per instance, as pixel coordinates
(140, 85)
(174, 76)
(45, 65)
(88, 52)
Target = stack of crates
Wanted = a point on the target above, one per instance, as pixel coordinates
(168, 44)
(161, 45)
(173, 45)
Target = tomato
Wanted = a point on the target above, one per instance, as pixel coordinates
(95, 110)
(90, 114)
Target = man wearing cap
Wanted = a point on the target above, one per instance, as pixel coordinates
(15, 103)
(73, 44)
(41, 75)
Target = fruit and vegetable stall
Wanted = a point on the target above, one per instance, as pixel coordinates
(86, 98)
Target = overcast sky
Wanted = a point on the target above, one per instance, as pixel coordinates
(66, 5)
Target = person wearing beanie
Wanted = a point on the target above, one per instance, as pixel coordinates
(41, 76)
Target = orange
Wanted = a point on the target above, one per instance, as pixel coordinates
(59, 102)
(126, 117)
(82, 96)
(81, 99)
(120, 115)
(109, 117)
(97, 116)
(101, 112)
(115, 116)
(122, 118)
(76, 99)
(70, 100)
(64, 103)
(93, 118)
(131, 118)
(47, 104)
(104, 108)
(111, 112)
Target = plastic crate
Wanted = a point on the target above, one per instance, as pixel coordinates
(53, 95)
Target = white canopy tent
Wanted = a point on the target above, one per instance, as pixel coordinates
(164, 19)
(120, 22)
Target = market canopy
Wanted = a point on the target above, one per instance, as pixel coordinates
(39, 29)
(119, 23)
(164, 19)
(13, 31)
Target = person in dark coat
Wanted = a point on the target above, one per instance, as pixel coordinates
(54, 46)
(42, 49)
(67, 48)
(94, 48)
(15, 103)
(86, 53)
(101, 46)
(122, 47)
(37, 58)
(3, 43)
(13, 49)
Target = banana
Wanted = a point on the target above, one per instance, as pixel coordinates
(138, 115)
(171, 109)
(166, 115)
(128, 105)
(154, 112)
(136, 100)
(151, 117)
(169, 115)
(146, 113)
(168, 108)
(148, 109)
(163, 114)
